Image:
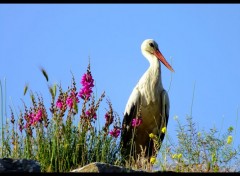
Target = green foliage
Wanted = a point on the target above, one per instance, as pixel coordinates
(202, 151)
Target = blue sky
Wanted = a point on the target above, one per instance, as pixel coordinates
(201, 41)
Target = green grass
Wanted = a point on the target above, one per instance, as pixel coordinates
(68, 135)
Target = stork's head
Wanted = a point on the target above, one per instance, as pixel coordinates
(151, 47)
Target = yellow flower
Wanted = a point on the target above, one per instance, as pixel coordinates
(151, 135)
(199, 134)
(174, 156)
(164, 129)
(153, 160)
(179, 155)
(229, 139)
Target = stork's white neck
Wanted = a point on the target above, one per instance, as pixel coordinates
(154, 68)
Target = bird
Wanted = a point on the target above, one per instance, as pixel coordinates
(147, 109)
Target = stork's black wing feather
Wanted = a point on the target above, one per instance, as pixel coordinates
(131, 111)
(165, 111)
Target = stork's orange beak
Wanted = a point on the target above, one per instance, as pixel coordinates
(159, 55)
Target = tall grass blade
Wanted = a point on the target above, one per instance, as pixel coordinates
(44, 73)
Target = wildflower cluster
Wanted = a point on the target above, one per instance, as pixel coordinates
(91, 113)
(59, 107)
(72, 100)
(109, 117)
(51, 138)
(115, 132)
(66, 100)
(59, 104)
(33, 116)
(87, 83)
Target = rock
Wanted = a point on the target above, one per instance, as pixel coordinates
(19, 165)
(103, 168)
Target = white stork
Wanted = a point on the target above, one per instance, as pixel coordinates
(150, 95)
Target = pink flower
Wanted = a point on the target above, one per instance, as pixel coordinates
(108, 118)
(87, 80)
(69, 102)
(34, 118)
(115, 132)
(136, 122)
(85, 92)
(31, 117)
(59, 104)
(87, 83)
(91, 113)
(71, 99)
(38, 116)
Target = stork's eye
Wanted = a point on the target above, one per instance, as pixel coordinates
(151, 44)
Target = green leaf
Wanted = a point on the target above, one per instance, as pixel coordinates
(44, 73)
(25, 89)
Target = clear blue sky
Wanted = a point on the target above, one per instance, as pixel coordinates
(202, 43)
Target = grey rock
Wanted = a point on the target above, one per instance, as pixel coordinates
(103, 168)
(19, 165)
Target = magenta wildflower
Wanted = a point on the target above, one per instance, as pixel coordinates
(34, 118)
(87, 80)
(69, 102)
(136, 122)
(109, 118)
(31, 117)
(87, 83)
(71, 99)
(59, 104)
(85, 92)
(115, 132)
(91, 113)
(38, 116)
